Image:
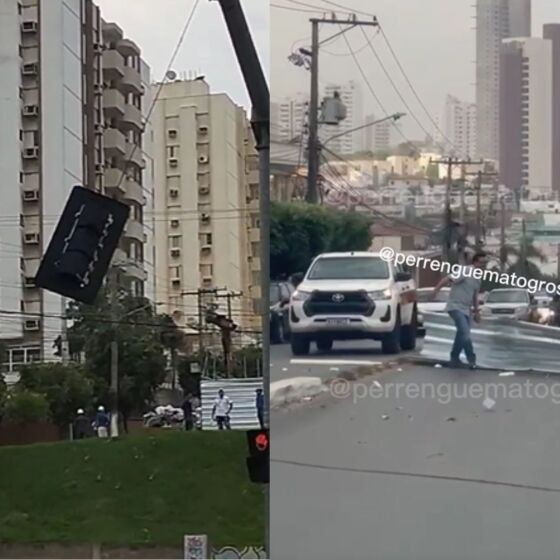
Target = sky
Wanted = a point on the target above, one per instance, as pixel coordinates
(433, 39)
(155, 26)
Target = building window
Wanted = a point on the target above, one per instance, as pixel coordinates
(175, 241)
(171, 151)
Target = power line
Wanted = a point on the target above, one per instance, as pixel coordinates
(299, 10)
(352, 10)
(319, 8)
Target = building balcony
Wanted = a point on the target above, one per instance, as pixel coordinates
(112, 32)
(134, 155)
(134, 230)
(113, 178)
(113, 64)
(131, 80)
(114, 143)
(132, 117)
(128, 48)
(133, 191)
(113, 103)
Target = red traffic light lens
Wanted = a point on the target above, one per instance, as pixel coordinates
(261, 441)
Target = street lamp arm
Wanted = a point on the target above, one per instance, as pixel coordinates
(395, 117)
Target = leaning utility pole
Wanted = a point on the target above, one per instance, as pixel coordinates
(312, 194)
(503, 255)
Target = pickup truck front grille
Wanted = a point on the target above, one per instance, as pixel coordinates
(339, 303)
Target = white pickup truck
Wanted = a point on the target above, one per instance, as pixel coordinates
(352, 296)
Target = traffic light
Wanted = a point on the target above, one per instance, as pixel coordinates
(82, 245)
(258, 462)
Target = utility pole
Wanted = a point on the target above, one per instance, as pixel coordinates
(113, 286)
(502, 234)
(479, 176)
(558, 262)
(312, 194)
(447, 216)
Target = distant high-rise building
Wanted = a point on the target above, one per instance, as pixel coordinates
(288, 117)
(526, 115)
(458, 125)
(379, 136)
(351, 95)
(552, 32)
(495, 20)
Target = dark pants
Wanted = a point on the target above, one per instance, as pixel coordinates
(462, 337)
(260, 416)
(188, 424)
(223, 422)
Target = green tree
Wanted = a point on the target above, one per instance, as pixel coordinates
(141, 351)
(66, 388)
(26, 407)
(299, 232)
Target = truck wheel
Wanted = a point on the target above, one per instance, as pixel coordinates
(324, 344)
(300, 344)
(391, 343)
(409, 333)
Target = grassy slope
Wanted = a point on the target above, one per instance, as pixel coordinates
(149, 489)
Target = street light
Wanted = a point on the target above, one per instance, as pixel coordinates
(394, 117)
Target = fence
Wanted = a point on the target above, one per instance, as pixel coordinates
(242, 393)
(500, 343)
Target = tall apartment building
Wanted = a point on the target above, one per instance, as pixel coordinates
(378, 136)
(52, 137)
(206, 203)
(351, 95)
(127, 150)
(526, 89)
(458, 125)
(288, 117)
(495, 20)
(551, 32)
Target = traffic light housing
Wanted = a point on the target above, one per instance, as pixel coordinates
(258, 462)
(82, 245)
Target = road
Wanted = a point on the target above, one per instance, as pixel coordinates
(433, 481)
(345, 354)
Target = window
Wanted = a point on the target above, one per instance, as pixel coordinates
(171, 151)
(175, 241)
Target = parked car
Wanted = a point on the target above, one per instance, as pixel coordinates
(428, 304)
(508, 302)
(356, 295)
(280, 293)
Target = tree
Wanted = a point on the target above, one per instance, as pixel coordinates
(141, 354)
(65, 387)
(299, 232)
(26, 407)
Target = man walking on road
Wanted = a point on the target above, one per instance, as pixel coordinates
(81, 425)
(221, 411)
(462, 307)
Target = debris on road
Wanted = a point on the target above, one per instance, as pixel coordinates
(507, 373)
(451, 419)
(437, 366)
(377, 384)
(488, 403)
(434, 455)
(306, 398)
(385, 417)
(410, 417)
(284, 369)
(399, 369)
(334, 369)
(398, 407)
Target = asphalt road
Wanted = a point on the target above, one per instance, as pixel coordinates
(344, 355)
(435, 480)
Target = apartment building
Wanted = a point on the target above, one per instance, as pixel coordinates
(526, 109)
(458, 125)
(53, 137)
(495, 20)
(289, 117)
(378, 136)
(206, 204)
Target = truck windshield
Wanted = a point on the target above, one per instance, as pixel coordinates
(349, 268)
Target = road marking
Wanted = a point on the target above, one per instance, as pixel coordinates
(329, 362)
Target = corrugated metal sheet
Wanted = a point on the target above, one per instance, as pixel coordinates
(242, 393)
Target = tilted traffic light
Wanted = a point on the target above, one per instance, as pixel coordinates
(82, 245)
(258, 462)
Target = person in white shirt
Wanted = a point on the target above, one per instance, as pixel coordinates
(221, 410)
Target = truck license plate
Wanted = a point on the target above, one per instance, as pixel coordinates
(338, 322)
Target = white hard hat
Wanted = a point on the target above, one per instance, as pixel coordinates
(80, 410)
(101, 409)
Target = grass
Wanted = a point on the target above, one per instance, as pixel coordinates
(149, 489)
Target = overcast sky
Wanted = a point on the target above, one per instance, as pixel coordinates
(155, 25)
(434, 40)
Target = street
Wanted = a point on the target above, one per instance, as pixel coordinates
(416, 478)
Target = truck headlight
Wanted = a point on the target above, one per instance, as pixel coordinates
(380, 295)
(300, 295)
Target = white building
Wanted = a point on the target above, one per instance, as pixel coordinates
(526, 124)
(495, 20)
(351, 95)
(379, 136)
(206, 203)
(458, 125)
(65, 120)
(288, 117)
